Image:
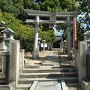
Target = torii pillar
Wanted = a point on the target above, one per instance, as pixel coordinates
(35, 48)
(69, 38)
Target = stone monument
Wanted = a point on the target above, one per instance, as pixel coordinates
(5, 83)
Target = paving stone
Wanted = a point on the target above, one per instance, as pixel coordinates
(48, 86)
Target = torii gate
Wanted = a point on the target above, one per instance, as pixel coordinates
(53, 19)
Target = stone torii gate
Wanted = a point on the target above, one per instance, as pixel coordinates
(53, 20)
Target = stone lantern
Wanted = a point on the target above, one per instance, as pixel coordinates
(8, 35)
(3, 51)
(87, 38)
(87, 35)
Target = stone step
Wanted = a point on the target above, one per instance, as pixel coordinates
(32, 66)
(29, 80)
(23, 86)
(47, 75)
(67, 66)
(50, 63)
(21, 81)
(73, 84)
(46, 64)
(28, 70)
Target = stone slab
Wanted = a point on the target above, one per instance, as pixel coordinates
(54, 85)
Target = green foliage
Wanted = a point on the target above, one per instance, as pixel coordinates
(58, 5)
(16, 6)
(48, 35)
(12, 6)
(36, 6)
(80, 33)
(69, 5)
(28, 4)
(51, 5)
(84, 5)
(23, 33)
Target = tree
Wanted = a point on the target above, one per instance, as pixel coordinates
(11, 6)
(36, 6)
(83, 19)
(28, 4)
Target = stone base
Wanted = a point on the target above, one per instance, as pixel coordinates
(85, 85)
(10, 86)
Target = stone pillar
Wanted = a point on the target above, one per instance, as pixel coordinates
(35, 48)
(3, 50)
(3, 62)
(21, 63)
(81, 63)
(14, 60)
(69, 37)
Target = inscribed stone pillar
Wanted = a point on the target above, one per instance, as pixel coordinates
(82, 60)
(14, 60)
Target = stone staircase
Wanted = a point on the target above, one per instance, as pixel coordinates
(29, 75)
(50, 70)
